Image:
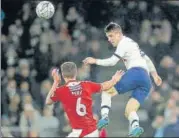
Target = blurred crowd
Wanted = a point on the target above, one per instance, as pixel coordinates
(33, 46)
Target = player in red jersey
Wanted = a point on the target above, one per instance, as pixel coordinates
(76, 98)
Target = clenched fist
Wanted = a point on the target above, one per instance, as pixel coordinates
(56, 75)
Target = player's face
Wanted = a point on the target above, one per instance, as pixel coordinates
(113, 37)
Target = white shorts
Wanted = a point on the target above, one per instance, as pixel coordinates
(77, 132)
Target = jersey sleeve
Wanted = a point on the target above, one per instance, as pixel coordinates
(94, 87)
(109, 61)
(55, 96)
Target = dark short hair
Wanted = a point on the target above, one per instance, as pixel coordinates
(69, 69)
(112, 26)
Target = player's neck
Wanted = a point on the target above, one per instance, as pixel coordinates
(69, 79)
(121, 37)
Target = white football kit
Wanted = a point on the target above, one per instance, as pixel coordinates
(128, 51)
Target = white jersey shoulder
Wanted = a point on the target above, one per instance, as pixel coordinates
(128, 50)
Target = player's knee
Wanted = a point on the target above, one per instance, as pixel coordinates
(132, 106)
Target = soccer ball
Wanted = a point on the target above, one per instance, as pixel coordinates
(45, 9)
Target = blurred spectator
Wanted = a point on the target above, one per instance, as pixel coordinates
(14, 110)
(83, 72)
(64, 43)
(80, 24)
(94, 52)
(48, 35)
(74, 55)
(43, 61)
(11, 56)
(81, 43)
(14, 33)
(143, 5)
(19, 27)
(175, 82)
(64, 32)
(58, 17)
(66, 128)
(27, 18)
(11, 72)
(29, 120)
(24, 88)
(171, 105)
(72, 17)
(165, 90)
(175, 51)
(49, 124)
(6, 132)
(174, 95)
(145, 31)
(7, 95)
(159, 126)
(156, 106)
(134, 24)
(27, 99)
(166, 31)
(171, 130)
(45, 88)
(166, 69)
(11, 88)
(160, 27)
(3, 52)
(156, 13)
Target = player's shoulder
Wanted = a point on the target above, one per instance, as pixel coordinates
(60, 87)
(128, 40)
(87, 82)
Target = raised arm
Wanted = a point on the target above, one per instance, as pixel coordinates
(51, 93)
(102, 62)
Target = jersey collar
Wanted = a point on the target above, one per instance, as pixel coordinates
(71, 81)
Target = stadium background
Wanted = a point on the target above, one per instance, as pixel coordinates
(30, 47)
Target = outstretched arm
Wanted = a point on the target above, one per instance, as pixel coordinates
(109, 84)
(102, 62)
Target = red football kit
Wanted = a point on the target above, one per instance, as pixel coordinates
(76, 98)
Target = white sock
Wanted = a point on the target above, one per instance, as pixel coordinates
(105, 103)
(133, 120)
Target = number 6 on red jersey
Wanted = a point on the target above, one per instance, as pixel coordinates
(80, 108)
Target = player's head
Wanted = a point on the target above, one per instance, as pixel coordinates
(114, 33)
(69, 70)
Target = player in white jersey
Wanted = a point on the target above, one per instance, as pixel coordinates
(136, 78)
